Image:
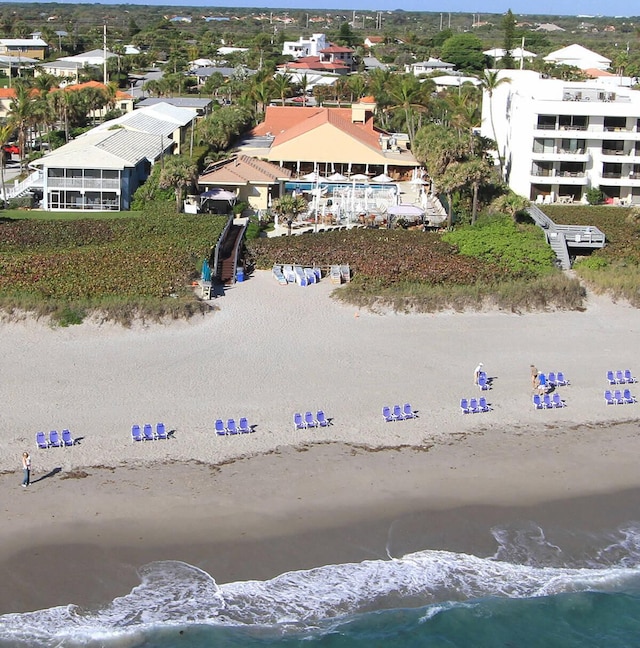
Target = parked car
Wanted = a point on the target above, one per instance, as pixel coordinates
(11, 149)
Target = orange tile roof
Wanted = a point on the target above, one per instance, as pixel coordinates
(7, 93)
(594, 72)
(288, 122)
(100, 86)
(336, 49)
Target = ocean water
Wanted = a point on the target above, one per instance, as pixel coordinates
(539, 588)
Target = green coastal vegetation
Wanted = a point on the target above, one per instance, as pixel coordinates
(127, 265)
(122, 269)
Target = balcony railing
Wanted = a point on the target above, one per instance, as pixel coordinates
(542, 173)
(614, 152)
(83, 183)
(571, 174)
(612, 175)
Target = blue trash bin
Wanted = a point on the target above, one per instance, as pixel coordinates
(240, 274)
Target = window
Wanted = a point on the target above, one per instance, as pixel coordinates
(543, 145)
(547, 122)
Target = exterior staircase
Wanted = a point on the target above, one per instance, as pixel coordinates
(565, 239)
(227, 252)
(19, 189)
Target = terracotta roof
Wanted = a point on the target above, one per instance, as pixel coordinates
(375, 39)
(335, 49)
(288, 122)
(594, 72)
(100, 86)
(7, 93)
(313, 63)
(242, 170)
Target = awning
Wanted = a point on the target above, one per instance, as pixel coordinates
(218, 194)
(404, 209)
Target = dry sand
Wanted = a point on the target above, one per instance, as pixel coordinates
(253, 505)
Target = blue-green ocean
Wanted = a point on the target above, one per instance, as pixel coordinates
(535, 590)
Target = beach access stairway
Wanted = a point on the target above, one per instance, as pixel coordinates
(567, 240)
(227, 251)
(19, 189)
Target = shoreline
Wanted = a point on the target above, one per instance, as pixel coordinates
(251, 506)
(243, 521)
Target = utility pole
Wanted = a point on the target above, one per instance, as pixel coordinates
(104, 54)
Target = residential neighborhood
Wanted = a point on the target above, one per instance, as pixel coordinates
(331, 102)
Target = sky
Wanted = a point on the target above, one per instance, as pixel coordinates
(617, 8)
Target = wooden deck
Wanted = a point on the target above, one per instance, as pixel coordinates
(565, 239)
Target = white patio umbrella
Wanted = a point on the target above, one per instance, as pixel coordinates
(383, 177)
(360, 177)
(337, 177)
(314, 176)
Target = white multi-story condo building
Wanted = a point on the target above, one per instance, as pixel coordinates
(559, 138)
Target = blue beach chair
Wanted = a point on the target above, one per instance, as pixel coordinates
(321, 419)
(54, 439)
(298, 422)
(219, 425)
(136, 434)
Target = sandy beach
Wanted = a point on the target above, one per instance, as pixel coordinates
(255, 505)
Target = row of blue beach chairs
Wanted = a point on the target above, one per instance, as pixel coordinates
(398, 413)
(309, 420)
(287, 274)
(230, 426)
(620, 377)
(548, 401)
(619, 397)
(54, 440)
(474, 405)
(557, 379)
(148, 433)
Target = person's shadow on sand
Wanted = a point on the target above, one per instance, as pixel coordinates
(51, 473)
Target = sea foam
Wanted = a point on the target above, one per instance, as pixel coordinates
(173, 593)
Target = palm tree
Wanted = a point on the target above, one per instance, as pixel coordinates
(511, 203)
(261, 93)
(408, 95)
(282, 86)
(20, 111)
(489, 82)
(289, 206)
(475, 172)
(179, 173)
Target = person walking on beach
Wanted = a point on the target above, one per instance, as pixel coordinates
(26, 469)
(534, 376)
(476, 373)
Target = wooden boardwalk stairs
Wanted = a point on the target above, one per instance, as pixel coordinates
(227, 252)
(567, 240)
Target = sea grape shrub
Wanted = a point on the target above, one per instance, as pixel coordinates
(97, 260)
(391, 256)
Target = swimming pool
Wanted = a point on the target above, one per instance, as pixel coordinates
(337, 187)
